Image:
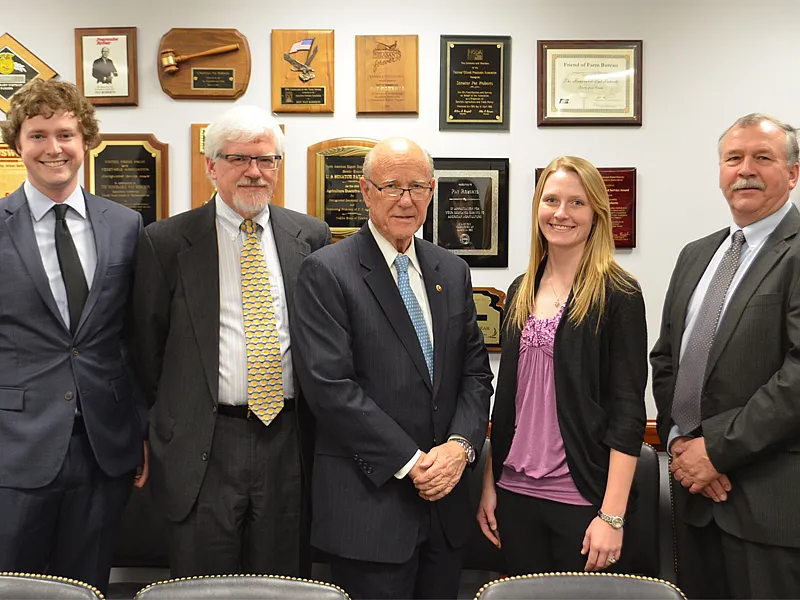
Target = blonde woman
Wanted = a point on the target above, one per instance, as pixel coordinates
(569, 413)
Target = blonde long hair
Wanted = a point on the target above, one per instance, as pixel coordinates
(597, 266)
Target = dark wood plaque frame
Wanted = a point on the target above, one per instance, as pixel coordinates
(316, 174)
(132, 98)
(151, 144)
(178, 85)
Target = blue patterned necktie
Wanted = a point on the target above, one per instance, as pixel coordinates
(414, 310)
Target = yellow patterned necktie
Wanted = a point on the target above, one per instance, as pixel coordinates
(264, 376)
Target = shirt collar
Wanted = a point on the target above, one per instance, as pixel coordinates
(756, 233)
(231, 221)
(39, 204)
(390, 252)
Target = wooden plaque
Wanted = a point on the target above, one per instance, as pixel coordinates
(387, 74)
(133, 170)
(302, 70)
(12, 170)
(202, 187)
(18, 66)
(490, 305)
(334, 195)
(106, 65)
(195, 64)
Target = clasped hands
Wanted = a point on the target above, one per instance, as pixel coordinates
(693, 469)
(437, 472)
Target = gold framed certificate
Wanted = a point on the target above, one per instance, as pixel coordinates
(590, 83)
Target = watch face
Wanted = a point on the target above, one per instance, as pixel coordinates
(617, 522)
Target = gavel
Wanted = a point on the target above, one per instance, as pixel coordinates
(170, 62)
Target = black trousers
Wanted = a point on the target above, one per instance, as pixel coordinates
(67, 527)
(433, 571)
(541, 536)
(715, 564)
(249, 512)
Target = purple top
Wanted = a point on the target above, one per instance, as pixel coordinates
(537, 463)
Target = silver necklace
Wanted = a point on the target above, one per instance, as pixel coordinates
(557, 303)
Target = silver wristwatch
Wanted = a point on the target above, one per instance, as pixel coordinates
(468, 449)
(615, 522)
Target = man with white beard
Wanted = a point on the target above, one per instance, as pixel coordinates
(228, 424)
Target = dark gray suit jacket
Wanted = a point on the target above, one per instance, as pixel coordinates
(43, 366)
(750, 401)
(365, 378)
(176, 312)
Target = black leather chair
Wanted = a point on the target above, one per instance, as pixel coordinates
(241, 587)
(24, 586)
(579, 586)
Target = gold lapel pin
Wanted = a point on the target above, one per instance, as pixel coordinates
(438, 288)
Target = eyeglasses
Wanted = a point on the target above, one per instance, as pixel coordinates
(267, 162)
(417, 191)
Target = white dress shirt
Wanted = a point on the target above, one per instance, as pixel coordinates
(232, 345)
(44, 228)
(755, 235)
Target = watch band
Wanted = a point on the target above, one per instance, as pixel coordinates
(469, 451)
(615, 521)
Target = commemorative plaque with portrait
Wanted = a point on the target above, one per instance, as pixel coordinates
(387, 74)
(490, 306)
(131, 169)
(106, 66)
(468, 214)
(12, 170)
(590, 82)
(202, 187)
(334, 193)
(203, 64)
(302, 70)
(475, 82)
(621, 186)
(18, 66)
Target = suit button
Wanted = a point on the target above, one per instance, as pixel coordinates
(356, 458)
(75, 352)
(204, 456)
(213, 409)
(69, 396)
(435, 407)
(368, 470)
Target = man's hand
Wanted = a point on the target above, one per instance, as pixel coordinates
(143, 472)
(718, 489)
(691, 465)
(441, 469)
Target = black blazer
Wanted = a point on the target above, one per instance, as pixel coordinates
(750, 402)
(600, 378)
(364, 375)
(176, 312)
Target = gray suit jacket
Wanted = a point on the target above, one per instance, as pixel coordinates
(365, 378)
(750, 401)
(176, 312)
(43, 367)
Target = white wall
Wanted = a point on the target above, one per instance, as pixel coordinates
(706, 62)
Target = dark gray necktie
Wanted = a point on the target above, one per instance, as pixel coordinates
(71, 269)
(692, 369)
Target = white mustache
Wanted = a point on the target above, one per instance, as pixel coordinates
(748, 184)
(253, 182)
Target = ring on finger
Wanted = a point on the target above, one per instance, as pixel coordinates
(611, 560)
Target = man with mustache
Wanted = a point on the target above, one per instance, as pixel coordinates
(212, 302)
(726, 378)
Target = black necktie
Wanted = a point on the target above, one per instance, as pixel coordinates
(71, 269)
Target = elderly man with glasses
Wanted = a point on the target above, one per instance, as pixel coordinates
(229, 431)
(394, 367)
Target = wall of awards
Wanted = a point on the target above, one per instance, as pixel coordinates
(493, 90)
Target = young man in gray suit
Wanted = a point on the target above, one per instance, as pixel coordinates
(394, 367)
(726, 378)
(71, 419)
(212, 304)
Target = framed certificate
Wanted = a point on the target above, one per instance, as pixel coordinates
(490, 305)
(18, 66)
(105, 65)
(590, 83)
(468, 214)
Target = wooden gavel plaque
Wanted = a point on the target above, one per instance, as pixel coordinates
(204, 64)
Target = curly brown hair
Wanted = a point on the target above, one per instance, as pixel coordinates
(44, 98)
